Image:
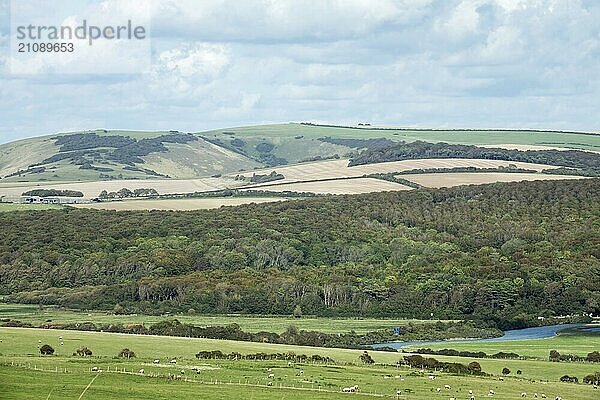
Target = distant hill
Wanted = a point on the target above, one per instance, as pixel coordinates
(101, 155)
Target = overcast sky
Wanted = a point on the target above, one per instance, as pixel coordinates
(426, 63)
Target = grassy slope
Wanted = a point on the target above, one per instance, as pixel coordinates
(547, 138)
(6, 207)
(25, 383)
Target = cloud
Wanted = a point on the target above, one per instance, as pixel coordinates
(471, 63)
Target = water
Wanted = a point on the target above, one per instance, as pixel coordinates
(540, 332)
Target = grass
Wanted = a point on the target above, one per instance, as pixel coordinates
(32, 314)
(7, 207)
(479, 137)
(177, 204)
(26, 375)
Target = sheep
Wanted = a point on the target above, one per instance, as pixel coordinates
(141, 371)
(431, 377)
(447, 387)
(347, 390)
(470, 392)
(523, 394)
(271, 376)
(94, 369)
(438, 390)
(39, 341)
(543, 396)
(173, 361)
(182, 372)
(301, 372)
(472, 397)
(558, 398)
(270, 369)
(62, 343)
(269, 383)
(535, 395)
(157, 361)
(501, 378)
(452, 398)
(491, 393)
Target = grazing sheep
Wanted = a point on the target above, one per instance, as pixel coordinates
(523, 394)
(431, 377)
(173, 361)
(271, 376)
(558, 398)
(535, 395)
(470, 392)
(452, 398)
(347, 390)
(543, 396)
(491, 393)
(182, 372)
(472, 398)
(398, 392)
(270, 369)
(141, 371)
(301, 372)
(269, 383)
(157, 361)
(62, 344)
(447, 387)
(438, 390)
(39, 341)
(94, 369)
(501, 378)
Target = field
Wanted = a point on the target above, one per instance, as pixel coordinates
(26, 375)
(475, 137)
(250, 323)
(6, 207)
(93, 189)
(332, 169)
(477, 178)
(340, 186)
(177, 204)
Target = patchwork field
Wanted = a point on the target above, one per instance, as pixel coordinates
(331, 169)
(93, 189)
(477, 178)
(177, 204)
(339, 186)
(26, 375)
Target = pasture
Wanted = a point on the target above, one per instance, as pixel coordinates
(477, 178)
(474, 137)
(251, 323)
(24, 374)
(6, 207)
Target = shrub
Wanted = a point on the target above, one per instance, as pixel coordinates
(567, 378)
(474, 367)
(46, 350)
(505, 371)
(366, 358)
(594, 356)
(83, 352)
(126, 353)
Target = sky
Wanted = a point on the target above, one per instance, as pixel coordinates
(412, 63)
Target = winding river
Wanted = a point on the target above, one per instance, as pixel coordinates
(540, 332)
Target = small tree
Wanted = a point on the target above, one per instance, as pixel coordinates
(297, 311)
(474, 367)
(83, 352)
(118, 309)
(366, 358)
(554, 355)
(46, 350)
(519, 372)
(126, 353)
(594, 356)
(505, 371)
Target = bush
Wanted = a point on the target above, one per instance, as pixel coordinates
(83, 352)
(505, 371)
(592, 379)
(126, 353)
(366, 358)
(46, 350)
(567, 378)
(594, 356)
(474, 367)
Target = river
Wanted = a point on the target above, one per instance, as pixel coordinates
(540, 332)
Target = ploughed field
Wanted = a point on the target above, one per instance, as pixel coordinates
(24, 374)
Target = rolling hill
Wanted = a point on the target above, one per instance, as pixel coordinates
(311, 157)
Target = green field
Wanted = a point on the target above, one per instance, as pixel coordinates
(5, 207)
(36, 316)
(475, 137)
(26, 375)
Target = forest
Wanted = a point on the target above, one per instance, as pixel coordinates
(503, 253)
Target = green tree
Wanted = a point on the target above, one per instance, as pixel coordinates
(46, 350)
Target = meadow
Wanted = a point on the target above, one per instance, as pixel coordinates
(339, 186)
(477, 178)
(176, 204)
(251, 323)
(24, 374)
(6, 207)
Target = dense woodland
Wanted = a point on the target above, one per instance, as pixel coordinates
(584, 160)
(505, 253)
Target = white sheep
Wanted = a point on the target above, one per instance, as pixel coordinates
(157, 361)
(438, 390)
(447, 387)
(173, 361)
(141, 371)
(182, 372)
(523, 394)
(470, 392)
(491, 393)
(271, 376)
(269, 383)
(94, 369)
